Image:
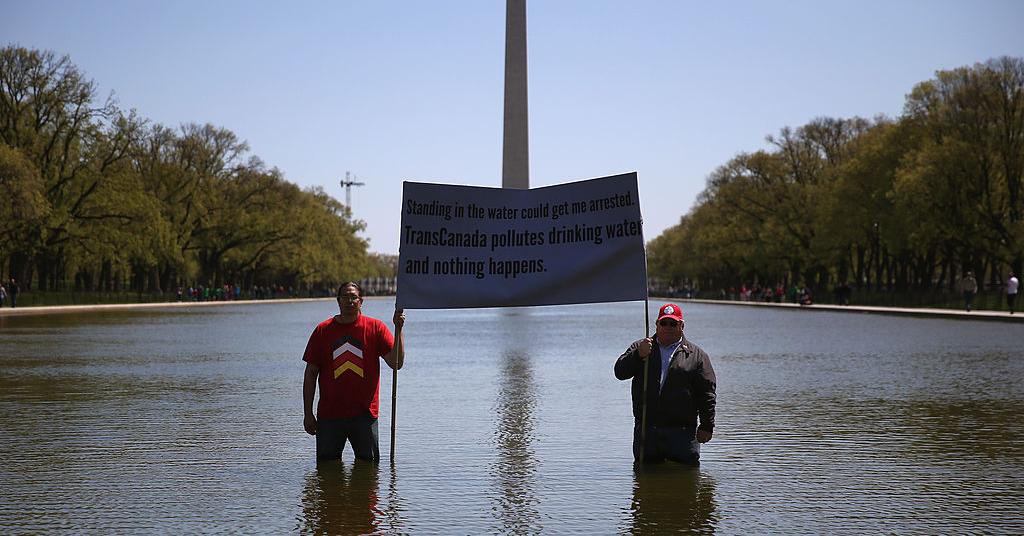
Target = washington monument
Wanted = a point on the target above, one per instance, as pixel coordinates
(515, 166)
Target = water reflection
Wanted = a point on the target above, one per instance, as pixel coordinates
(390, 516)
(341, 498)
(516, 468)
(672, 498)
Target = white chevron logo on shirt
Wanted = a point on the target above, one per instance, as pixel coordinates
(347, 347)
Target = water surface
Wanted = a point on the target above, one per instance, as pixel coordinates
(510, 421)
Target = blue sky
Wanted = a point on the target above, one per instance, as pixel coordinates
(394, 91)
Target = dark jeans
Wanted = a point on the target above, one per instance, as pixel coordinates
(331, 435)
(1011, 300)
(675, 443)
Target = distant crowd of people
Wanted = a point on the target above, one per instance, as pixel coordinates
(375, 286)
(10, 289)
(779, 293)
(228, 292)
(757, 293)
(803, 295)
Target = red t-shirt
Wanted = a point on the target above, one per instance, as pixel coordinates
(348, 357)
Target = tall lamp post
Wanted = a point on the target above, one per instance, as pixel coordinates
(348, 183)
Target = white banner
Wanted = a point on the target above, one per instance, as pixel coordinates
(468, 246)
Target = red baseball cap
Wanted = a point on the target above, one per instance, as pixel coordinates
(670, 310)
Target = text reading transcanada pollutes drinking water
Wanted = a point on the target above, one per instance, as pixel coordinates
(464, 246)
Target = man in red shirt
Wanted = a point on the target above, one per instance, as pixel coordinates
(342, 358)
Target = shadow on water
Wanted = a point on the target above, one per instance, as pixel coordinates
(672, 498)
(342, 498)
(516, 467)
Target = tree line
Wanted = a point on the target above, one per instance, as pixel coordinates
(93, 197)
(905, 203)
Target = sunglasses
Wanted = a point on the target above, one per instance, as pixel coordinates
(668, 323)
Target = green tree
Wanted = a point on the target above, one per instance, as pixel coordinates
(23, 205)
(47, 112)
(966, 176)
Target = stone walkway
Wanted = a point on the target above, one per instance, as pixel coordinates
(71, 309)
(956, 314)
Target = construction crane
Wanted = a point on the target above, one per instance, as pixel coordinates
(348, 183)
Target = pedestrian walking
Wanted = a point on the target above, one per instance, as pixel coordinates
(1012, 285)
(969, 287)
(12, 290)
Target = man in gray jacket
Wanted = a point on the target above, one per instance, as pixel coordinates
(969, 287)
(680, 390)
